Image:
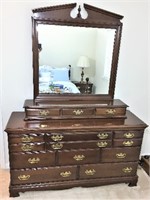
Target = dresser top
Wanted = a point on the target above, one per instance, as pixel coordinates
(17, 123)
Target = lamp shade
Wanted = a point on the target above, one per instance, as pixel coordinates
(83, 62)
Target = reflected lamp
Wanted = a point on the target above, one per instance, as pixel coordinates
(83, 62)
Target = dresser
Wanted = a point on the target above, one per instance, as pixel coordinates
(65, 154)
(67, 140)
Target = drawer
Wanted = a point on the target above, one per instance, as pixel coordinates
(25, 147)
(29, 160)
(120, 154)
(110, 111)
(41, 113)
(128, 134)
(79, 145)
(108, 170)
(78, 111)
(43, 175)
(76, 136)
(26, 138)
(127, 142)
(78, 157)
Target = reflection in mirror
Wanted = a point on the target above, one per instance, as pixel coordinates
(60, 48)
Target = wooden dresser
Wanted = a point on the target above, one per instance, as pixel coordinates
(68, 140)
(60, 154)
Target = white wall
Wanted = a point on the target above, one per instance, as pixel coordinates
(16, 63)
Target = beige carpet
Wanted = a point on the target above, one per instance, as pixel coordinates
(115, 192)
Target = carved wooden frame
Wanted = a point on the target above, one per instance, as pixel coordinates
(60, 15)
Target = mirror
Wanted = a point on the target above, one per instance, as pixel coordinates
(75, 58)
(63, 50)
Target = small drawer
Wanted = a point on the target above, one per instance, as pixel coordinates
(120, 154)
(25, 147)
(26, 138)
(79, 145)
(42, 113)
(43, 175)
(78, 111)
(128, 134)
(108, 170)
(77, 136)
(111, 111)
(127, 143)
(78, 157)
(29, 160)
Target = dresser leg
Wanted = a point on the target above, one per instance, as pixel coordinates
(133, 183)
(13, 193)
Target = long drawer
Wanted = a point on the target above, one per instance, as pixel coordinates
(25, 147)
(108, 170)
(40, 175)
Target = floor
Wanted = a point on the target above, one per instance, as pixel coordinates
(109, 192)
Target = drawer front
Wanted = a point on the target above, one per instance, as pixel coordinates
(79, 145)
(120, 154)
(110, 111)
(78, 157)
(42, 113)
(43, 175)
(29, 160)
(26, 138)
(78, 111)
(27, 147)
(127, 142)
(128, 134)
(108, 170)
(77, 136)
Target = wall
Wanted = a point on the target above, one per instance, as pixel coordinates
(16, 63)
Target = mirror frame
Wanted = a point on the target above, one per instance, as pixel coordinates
(60, 15)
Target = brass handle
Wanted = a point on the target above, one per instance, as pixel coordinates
(127, 169)
(57, 146)
(129, 135)
(102, 144)
(27, 139)
(65, 174)
(110, 111)
(43, 126)
(79, 157)
(27, 147)
(90, 172)
(23, 177)
(121, 155)
(102, 135)
(33, 160)
(128, 143)
(78, 112)
(57, 137)
(44, 112)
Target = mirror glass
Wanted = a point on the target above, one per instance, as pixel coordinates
(64, 51)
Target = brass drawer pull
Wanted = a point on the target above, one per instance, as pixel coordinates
(65, 174)
(110, 111)
(24, 177)
(102, 144)
(44, 112)
(57, 137)
(43, 126)
(102, 135)
(128, 143)
(78, 112)
(129, 135)
(57, 146)
(79, 157)
(90, 172)
(127, 169)
(121, 155)
(27, 139)
(33, 160)
(27, 147)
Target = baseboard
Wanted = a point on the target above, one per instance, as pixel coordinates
(145, 164)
